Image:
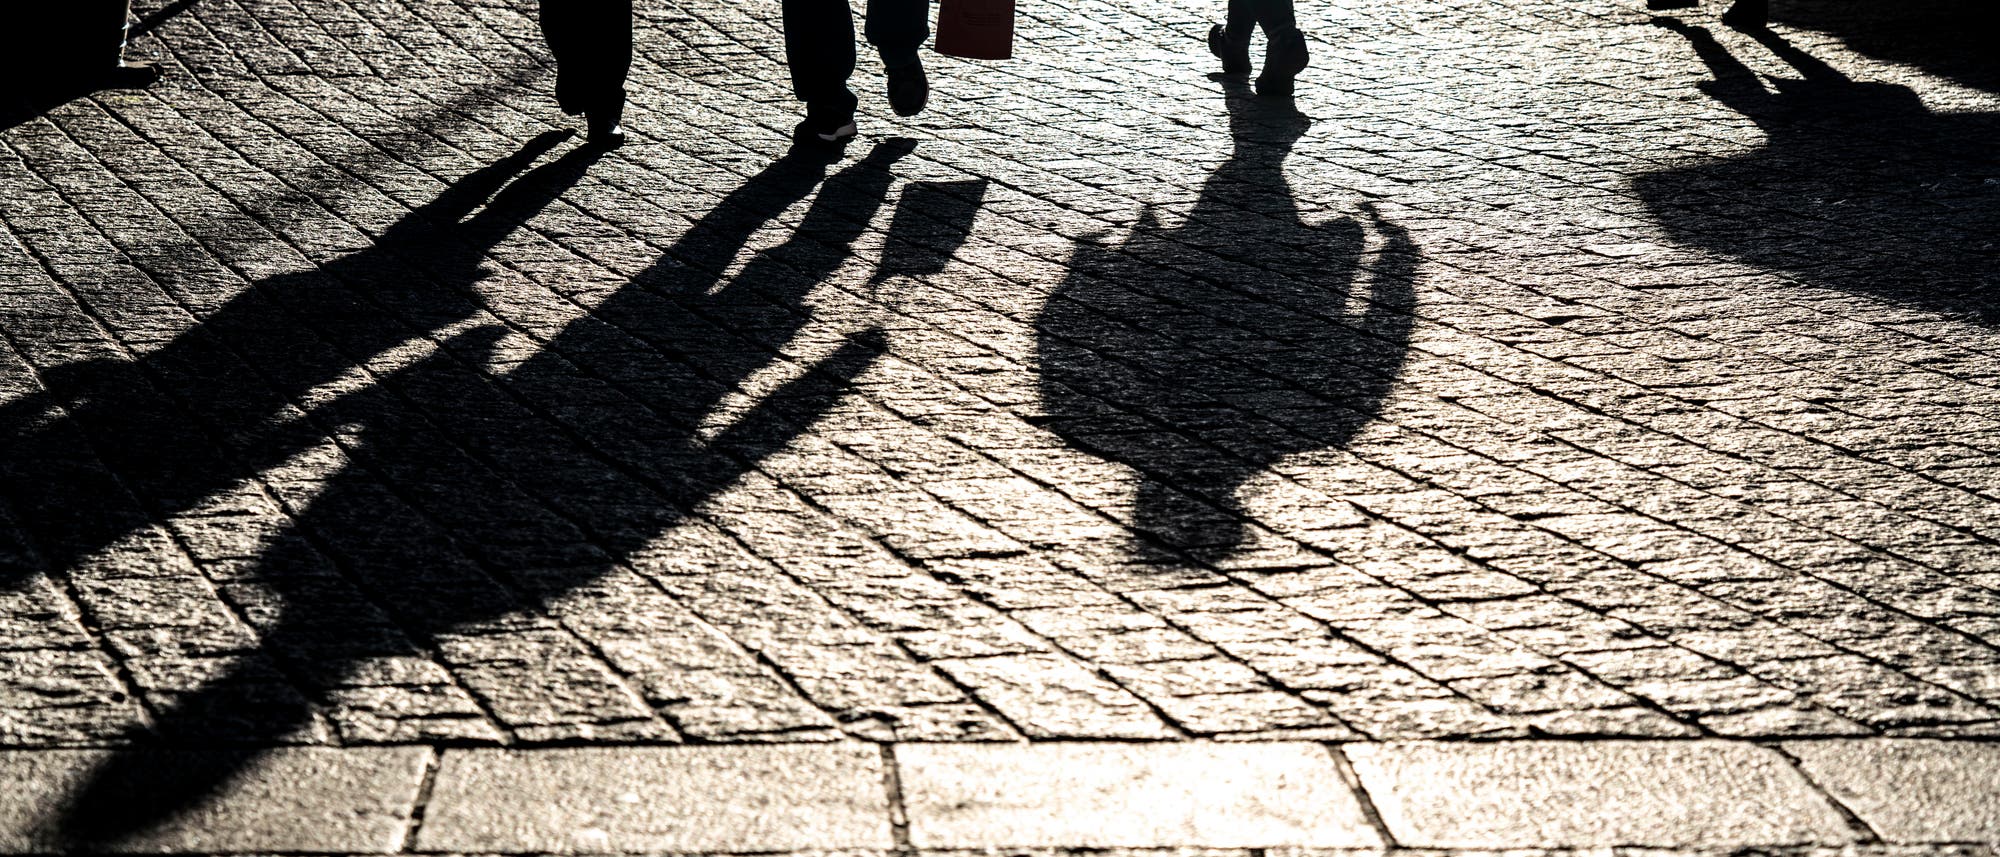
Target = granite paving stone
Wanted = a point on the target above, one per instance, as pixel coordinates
(775, 797)
(1910, 790)
(1525, 794)
(1108, 795)
(1541, 370)
(296, 800)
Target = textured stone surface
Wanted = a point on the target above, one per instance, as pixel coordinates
(297, 800)
(1129, 795)
(1528, 794)
(779, 797)
(1555, 373)
(1911, 791)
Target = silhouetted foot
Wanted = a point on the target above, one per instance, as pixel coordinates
(823, 132)
(1664, 5)
(606, 132)
(129, 75)
(1748, 14)
(1284, 58)
(1235, 56)
(909, 88)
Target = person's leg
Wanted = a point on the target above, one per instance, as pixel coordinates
(562, 30)
(1284, 47)
(592, 44)
(1748, 14)
(819, 48)
(1230, 40)
(1242, 19)
(897, 29)
(1276, 17)
(610, 61)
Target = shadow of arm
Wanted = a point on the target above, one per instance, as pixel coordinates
(1734, 84)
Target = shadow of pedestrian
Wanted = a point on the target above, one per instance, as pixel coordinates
(1951, 38)
(110, 447)
(1200, 355)
(474, 496)
(1858, 187)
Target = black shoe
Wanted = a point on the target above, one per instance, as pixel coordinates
(909, 88)
(823, 132)
(129, 75)
(1748, 14)
(606, 132)
(1284, 58)
(1235, 56)
(1664, 5)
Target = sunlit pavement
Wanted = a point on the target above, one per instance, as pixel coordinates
(1561, 429)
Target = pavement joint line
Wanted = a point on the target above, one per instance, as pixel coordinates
(899, 809)
(1538, 384)
(607, 771)
(1854, 820)
(1352, 780)
(423, 799)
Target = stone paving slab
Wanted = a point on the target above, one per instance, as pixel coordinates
(1129, 795)
(300, 800)
(1623, 798)
(1529, 794)
(1552, 372)
(1911, 791)
(777, 797)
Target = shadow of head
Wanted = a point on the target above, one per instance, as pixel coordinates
(1199, 355)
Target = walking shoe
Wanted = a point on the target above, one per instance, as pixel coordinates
(818, 131)
(909, 88)
(1284, 58)
(606, 129)
(1235, 56)
(1748, 14)
(129, 75)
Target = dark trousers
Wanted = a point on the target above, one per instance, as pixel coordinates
(819, 45)
(592, 41)
(67, 36)
(1275, 16)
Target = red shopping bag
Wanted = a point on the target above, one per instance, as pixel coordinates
(976, 29)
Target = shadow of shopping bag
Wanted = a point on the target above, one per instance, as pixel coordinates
(976, 29)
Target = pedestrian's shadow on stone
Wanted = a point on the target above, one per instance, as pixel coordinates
(474, 495)
(1950, 38)
(1202, 354)
(1858, 186)
(110, 447)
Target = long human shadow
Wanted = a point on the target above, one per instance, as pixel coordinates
(474, 496)
(1200, 355)
(1858, 186)
(110, 447)
(32, 88)
(1952, 38)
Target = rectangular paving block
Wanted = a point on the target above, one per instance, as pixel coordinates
(769, 797)
(297, 800)
(1129, 795)
(1911, 790)
(1584, 794)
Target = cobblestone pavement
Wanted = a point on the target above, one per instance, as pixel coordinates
(1549, 373)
